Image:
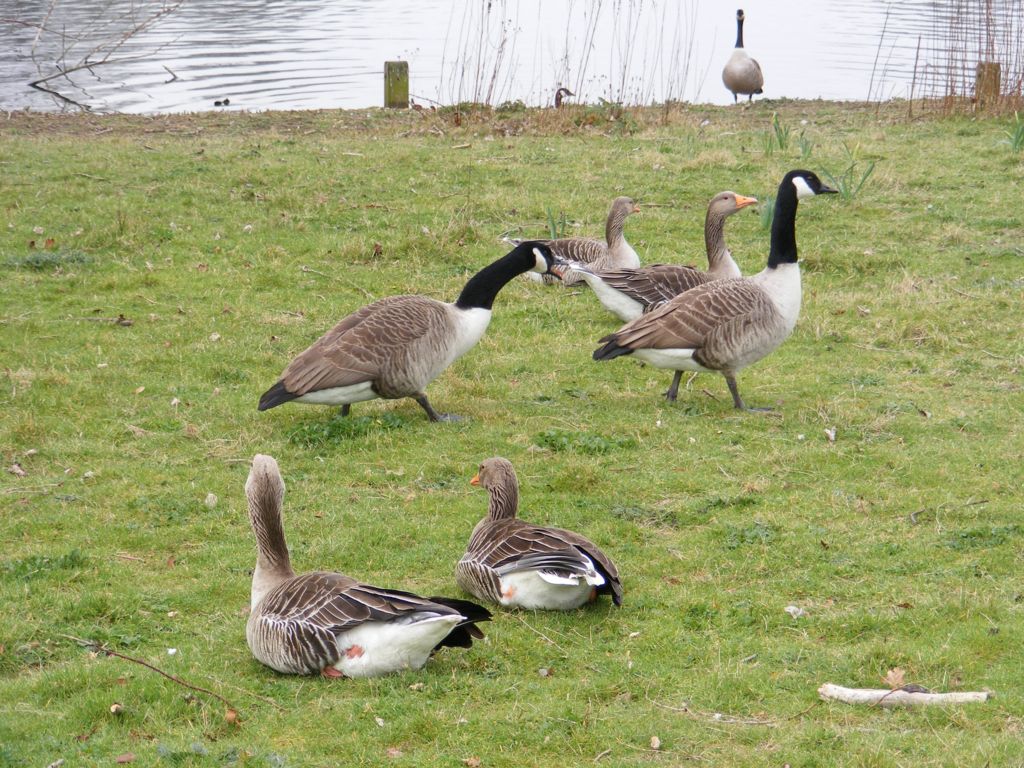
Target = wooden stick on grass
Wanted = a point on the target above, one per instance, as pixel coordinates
(100, 648)
(885, 697)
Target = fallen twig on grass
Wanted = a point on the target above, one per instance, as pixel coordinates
(232, 713)
(900, 697)
(350, 284)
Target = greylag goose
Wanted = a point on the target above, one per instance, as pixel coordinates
(629, 293)
(515, 564)
(613, 253)
(396, 346)
(726, 325)
(330, 623)
(741, 73)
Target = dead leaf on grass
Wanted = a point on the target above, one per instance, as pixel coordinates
(894, 678)
(472, 762)
(393, 752)
(127, 757)
(231, 717)
(16, 470)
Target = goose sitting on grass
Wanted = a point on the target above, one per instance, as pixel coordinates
(396, 346)
(613, 253)
(331, 624)
(726, 325)
(516, 564)
(629, 293)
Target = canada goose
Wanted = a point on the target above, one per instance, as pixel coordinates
(613, 253)
(329, 623)
(629, 293)
(741, 73)
(396, 346)
(560, 94)
(726, 325)
(519, 565)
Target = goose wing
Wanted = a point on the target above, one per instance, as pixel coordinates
(692, 320)
(319, 606)
(358, 347)
(508, 546)
(582, 249)
(656, 283)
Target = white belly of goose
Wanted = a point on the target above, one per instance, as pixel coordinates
(354, 393)
(614, 301)
(540, 590)
(671, 359)
(380, 647)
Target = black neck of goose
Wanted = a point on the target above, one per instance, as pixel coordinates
(482, 287)
(739, 33)
(504, 501)
(783, 243)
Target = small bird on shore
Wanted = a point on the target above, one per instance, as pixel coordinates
(396, 346)
(742, 74)
(726, 325)
(330, 623)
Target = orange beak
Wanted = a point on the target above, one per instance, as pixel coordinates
(636, 209)
(743, 202)
(475, 480)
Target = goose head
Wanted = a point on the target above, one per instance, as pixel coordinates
(539, 253)
(739, 15)
(727, 203)
(497, 476)
(807, 184)
(623, 207)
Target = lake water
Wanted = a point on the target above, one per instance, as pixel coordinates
(302, 54)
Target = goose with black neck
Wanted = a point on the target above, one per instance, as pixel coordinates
(726, 325)
(396, 346)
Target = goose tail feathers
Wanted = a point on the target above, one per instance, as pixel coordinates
(462, 636)
(611, 348)
(275, 396)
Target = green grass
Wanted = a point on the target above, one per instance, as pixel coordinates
(192, 257)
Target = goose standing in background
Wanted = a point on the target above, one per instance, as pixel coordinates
(515, 564)
(629, 293)
(741, 73)
(396, 346)
(728, 324)
(613, 253)
(332, 624)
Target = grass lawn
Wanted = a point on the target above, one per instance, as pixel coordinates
(156, 275)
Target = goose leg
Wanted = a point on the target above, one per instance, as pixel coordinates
(431, 413)
(674, 389)
(736, 399)
(346, 409)
(331, 672)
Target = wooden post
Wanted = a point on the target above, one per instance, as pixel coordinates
(986, 84)
(396, 84)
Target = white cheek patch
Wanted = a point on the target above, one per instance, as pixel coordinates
(803, 189)
(540, 263)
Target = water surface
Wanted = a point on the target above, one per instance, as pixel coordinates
(290, 54)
